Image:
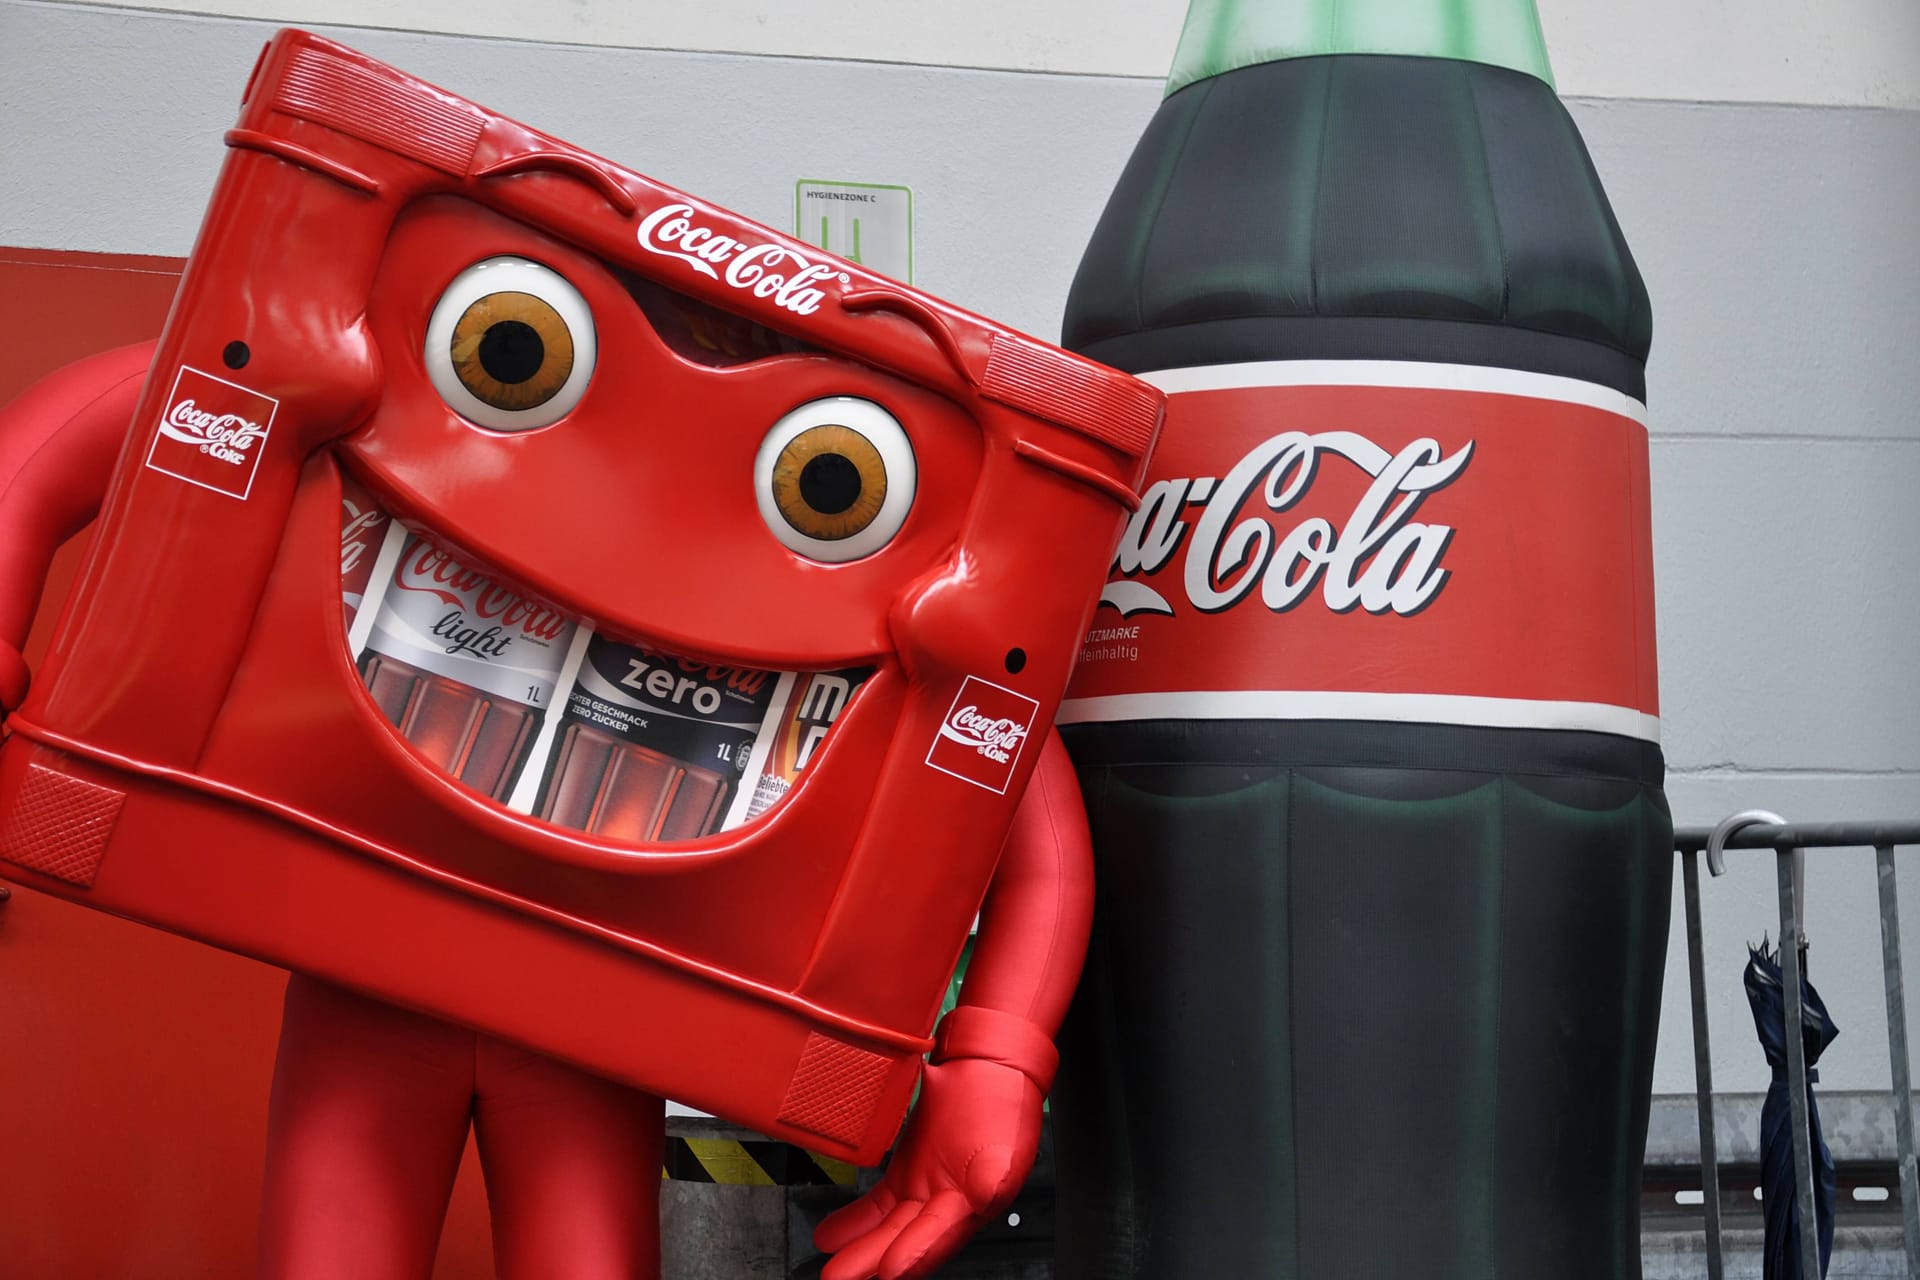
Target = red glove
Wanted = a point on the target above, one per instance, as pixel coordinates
(967, 1151)
(973, 1136)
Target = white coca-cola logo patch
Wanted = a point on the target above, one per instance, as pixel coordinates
(212, 432)
(773, 272)
(1379, 559)
(983, 734)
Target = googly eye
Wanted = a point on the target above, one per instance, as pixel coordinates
(510, 345)
(835, 479)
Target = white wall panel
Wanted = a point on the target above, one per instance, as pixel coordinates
(1789, 603)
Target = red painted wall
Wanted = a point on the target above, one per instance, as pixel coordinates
(134, 1065)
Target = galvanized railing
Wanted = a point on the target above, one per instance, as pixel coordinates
(1758, 829)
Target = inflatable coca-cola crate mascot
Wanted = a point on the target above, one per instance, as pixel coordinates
(707, 604)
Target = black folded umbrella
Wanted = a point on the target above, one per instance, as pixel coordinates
(1767, 994)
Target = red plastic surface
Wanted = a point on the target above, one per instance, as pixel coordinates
(201, 672)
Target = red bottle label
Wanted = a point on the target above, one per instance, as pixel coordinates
(1383, 541)
(212, 433)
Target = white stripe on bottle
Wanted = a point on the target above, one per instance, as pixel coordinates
(1414, 708)
(1414, 374)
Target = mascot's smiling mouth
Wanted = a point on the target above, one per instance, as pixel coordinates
(532, 709)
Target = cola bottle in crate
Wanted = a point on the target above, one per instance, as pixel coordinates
(464, 667)
(647, 747)
(651, 747)
(813, 703)
(363, 529)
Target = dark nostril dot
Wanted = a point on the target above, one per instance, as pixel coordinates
(1016, 659)
(511, 351)
(236, 355)
(829, 483)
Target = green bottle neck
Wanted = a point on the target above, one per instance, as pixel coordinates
(1223, 35)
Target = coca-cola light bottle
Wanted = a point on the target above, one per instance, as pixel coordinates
(464, 667)
(1367, 721)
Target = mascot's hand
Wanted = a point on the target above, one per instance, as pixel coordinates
(13, 678)
(967, 1149)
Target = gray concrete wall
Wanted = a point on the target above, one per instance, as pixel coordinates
(1778, 241)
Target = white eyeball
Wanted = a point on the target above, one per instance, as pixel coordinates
(510, 346)
(835, 479)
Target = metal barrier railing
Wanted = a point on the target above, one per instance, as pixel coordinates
(1758, 829)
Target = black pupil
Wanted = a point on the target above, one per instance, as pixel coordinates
(510, 351)
(829, 483)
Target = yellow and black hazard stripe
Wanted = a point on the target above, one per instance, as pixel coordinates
(752, 1164)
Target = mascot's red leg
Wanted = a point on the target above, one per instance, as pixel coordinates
(370, 1112)
(367, 1125)
(573, 1169)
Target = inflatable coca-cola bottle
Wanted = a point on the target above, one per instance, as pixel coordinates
(1367, 722)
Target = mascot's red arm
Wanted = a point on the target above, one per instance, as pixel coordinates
(58, 443)
(973, 1135)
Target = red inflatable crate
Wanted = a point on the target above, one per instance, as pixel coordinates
(201, 753)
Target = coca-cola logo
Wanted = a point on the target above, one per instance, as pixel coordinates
(226, 436)
(357, 535)
(996, 738)
(426, 567)
(212, 433)
(1378, 559)
(774, 272)
(983, 733)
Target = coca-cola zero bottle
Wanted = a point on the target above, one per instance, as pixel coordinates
(1367, 721)
(653, 746)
